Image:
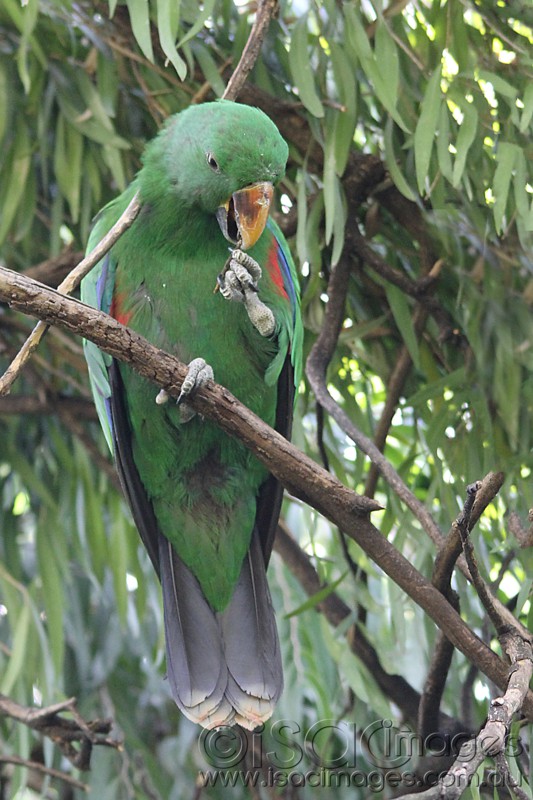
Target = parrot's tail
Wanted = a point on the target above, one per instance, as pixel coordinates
(224, 668)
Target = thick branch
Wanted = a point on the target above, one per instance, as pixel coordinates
(302, 476)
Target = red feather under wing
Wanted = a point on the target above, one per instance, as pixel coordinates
(117, 309)
(274, 270)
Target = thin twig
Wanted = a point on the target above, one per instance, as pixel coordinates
(418, 288)
(64, 732)
(316, 367)
(38, 767)
(66, 287)
(450, 547)
(482, 589)
(265, 11)
(53, 270)
(441, 659)
(504, 566)
(395, 387)
(355, 571)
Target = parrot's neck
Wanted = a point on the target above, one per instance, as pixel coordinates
(172, 221)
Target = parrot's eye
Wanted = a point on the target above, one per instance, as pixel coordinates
(213, 163)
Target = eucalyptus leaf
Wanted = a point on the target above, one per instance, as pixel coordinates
(168, 14)
(139, 11)
(503, 174)
(302, 71)
(426, 128)
(467, 134)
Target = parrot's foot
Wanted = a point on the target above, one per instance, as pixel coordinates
(239, 282)
(198, 373)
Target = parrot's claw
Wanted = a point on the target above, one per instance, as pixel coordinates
(162, 397)
(198, 374)
(238, 282)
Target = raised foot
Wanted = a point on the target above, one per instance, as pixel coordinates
(238, 282)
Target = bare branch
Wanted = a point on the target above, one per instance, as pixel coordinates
(443, 653)
(421, 287)
(490, 742)
(444, 565)
(450, 547)
(316, 367)
(508, 778)
(64, 732)
(300, 474)
(434, 685)
(265, 11)
(38, 767)
(523, 537)
(482, 588)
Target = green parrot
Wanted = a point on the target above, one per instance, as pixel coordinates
(206, 274)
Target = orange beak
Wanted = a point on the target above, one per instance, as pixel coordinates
(243, 217)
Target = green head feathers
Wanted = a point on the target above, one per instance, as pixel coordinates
(206, 153)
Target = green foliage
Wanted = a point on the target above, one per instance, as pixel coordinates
(442, 94)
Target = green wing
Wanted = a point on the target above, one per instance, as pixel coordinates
(97, 291)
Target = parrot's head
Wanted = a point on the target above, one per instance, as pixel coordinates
(222, 159)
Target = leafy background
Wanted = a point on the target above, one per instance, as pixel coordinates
(410, 133)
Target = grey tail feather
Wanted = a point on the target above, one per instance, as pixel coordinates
(224, 668)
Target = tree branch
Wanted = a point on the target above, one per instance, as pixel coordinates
(66, 287)
(265, 11)
(302, 476)
(490, 742)
(316, 367)
(62, 731)
(50, 771)
(442, 655)
(450, 547)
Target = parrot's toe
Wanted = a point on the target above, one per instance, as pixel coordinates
(162, 397)
(238, 282)
(241, 275)
(198, 374)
